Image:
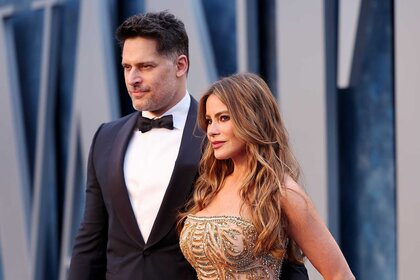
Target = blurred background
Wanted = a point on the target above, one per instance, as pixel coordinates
(345, 73)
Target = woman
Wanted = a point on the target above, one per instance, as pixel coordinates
(248, 213)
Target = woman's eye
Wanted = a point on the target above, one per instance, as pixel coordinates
(208, 121)
(224, 118)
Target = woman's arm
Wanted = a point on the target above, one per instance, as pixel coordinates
(311, 234)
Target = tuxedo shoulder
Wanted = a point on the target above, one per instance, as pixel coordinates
(119, 122)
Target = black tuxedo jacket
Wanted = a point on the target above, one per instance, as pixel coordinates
(109, 244)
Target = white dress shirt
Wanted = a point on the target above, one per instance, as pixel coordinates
(148, 165)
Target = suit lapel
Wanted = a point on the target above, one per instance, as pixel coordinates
(120, 198)
(183, 176)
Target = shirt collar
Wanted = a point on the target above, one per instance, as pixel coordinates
(179, 111)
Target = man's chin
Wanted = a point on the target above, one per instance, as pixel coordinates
(138, 107)
(141, 106)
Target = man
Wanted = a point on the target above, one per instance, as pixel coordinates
(137, 180)
(139, 173)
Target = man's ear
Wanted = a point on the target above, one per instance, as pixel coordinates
(182, 65)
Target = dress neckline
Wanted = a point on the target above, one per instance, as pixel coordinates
(220, 217)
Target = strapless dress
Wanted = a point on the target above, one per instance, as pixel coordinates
(220, 247)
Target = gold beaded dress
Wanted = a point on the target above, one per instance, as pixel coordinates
(220, 247)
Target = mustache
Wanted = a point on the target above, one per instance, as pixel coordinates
(139, 88)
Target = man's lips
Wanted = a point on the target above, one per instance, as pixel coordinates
(217, 144)
(138, 93)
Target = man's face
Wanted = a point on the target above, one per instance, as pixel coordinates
(154, 82)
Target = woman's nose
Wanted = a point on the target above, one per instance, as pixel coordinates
(212, 129)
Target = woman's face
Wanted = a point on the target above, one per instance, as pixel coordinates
(221, 131)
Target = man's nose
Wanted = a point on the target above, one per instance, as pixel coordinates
(134, 77)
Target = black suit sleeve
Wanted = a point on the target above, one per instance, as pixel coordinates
(89, 252)
(293, 271)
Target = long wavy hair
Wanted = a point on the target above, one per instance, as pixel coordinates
(257, 122)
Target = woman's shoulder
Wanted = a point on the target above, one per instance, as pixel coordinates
(289, 184)
(293, 193)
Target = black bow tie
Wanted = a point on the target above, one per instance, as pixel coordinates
(146, 124)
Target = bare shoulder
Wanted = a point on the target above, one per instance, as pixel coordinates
(290, 187)
(293, 194)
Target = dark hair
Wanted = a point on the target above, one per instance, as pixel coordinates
(168, 31)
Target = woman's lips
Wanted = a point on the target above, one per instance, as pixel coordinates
(217, 144)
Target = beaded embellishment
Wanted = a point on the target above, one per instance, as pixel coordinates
(220, 247)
